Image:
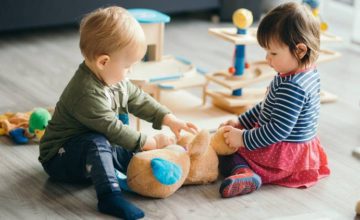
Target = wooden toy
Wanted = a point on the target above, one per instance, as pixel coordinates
(158, 72)
(235, 97)
(153, 24)
(170, 73)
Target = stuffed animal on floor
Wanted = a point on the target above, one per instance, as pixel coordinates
(21, 127)
(159, 173)
(203, 151)
(15, 126)
(38, 121)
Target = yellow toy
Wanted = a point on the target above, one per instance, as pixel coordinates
(10, 121)
(15, 125)
(159, 173)
(22, 126)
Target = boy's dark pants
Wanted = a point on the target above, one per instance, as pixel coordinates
(89, 155)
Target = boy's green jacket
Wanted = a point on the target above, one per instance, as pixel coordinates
(87, 105)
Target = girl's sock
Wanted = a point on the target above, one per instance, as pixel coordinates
(114, 204)
(242, 181)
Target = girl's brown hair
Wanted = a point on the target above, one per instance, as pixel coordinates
(107, 30)
(290, 24)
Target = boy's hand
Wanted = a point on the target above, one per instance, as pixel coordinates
(177, 125)
(233, 137)
(163, 140)
(232, 122)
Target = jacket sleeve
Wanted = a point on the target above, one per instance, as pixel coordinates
(145, 107)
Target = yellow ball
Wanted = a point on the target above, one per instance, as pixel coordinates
(315, 12)
(242, 18)
(323, 26)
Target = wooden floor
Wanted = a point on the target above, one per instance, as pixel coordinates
(35, 67)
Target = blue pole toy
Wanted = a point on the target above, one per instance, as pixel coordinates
(239, 61)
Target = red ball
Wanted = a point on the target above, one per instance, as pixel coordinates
(247, 65)
(232, 70)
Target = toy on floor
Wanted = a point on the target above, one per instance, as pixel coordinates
(159, 173)
(234, 94)
(15, 125)
(158, 72)
(242, 73)
(38, 121)
(21, 127)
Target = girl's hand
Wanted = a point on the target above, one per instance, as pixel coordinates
(177, 125)
(233, 137)
(232, 122)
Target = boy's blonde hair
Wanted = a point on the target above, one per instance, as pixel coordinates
(290, 24)
(107, 30)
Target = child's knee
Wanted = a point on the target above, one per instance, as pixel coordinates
(100, 142)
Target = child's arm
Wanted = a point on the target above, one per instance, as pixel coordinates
(248, 119)
(145, 107)
(288, 103)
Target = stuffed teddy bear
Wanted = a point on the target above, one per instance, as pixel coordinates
(159, 173)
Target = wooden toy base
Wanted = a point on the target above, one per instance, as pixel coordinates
(257, 72)
(234, 110)
(250, 97)
(189, 108)
(167, 74)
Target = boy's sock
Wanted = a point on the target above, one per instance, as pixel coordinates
(242, 181)
(115, 204)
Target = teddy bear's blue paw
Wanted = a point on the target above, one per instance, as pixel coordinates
(166, 172)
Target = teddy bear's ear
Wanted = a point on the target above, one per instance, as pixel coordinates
(219, 145)
(199, 143)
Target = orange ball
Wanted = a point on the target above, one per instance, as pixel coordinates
(232, 70)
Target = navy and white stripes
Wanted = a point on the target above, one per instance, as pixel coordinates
(289, 111)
